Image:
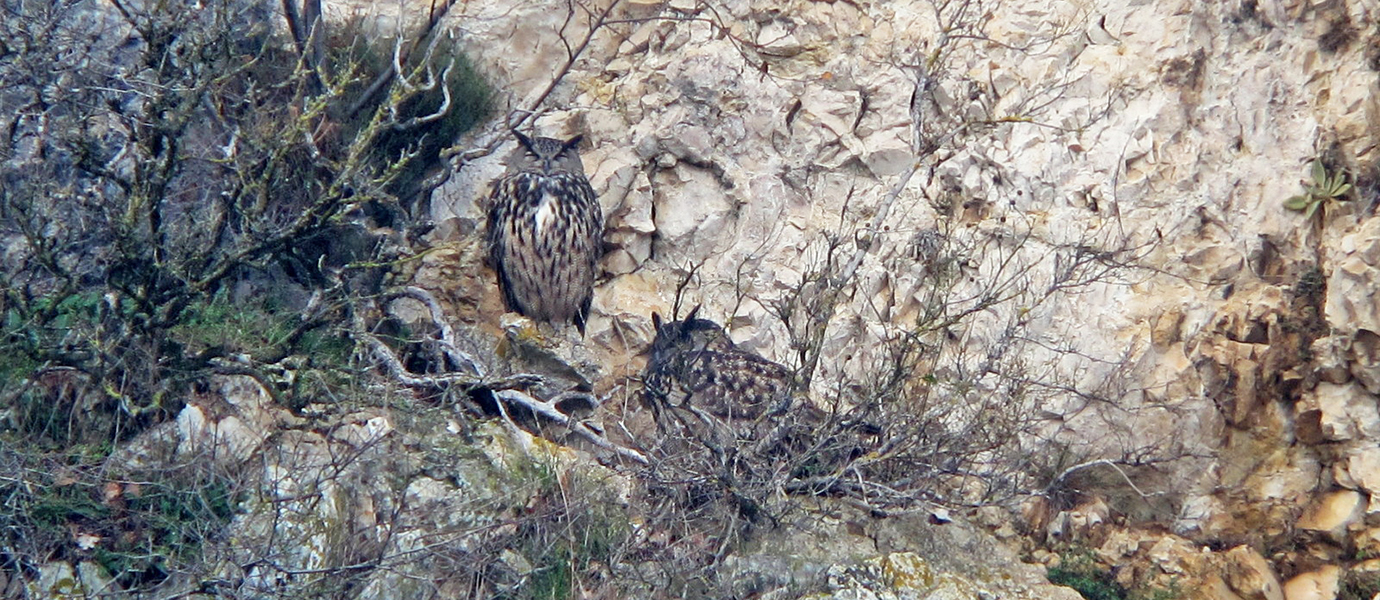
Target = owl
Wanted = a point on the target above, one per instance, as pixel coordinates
(545, 231)
(693, 363)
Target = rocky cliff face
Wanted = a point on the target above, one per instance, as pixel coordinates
(1223, 331)
(1072, 213)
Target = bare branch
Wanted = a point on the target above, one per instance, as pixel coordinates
(383, 79)
(446, 331)
(548, 411)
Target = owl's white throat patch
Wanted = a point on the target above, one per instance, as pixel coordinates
(546, 210)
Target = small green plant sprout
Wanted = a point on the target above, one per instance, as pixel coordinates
(1321, 189)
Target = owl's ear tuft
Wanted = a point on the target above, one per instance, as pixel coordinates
(573, 143)
(522, 139)
(656, 321)
(693, 312)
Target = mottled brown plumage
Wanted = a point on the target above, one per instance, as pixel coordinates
(545, 232)
(693, 363)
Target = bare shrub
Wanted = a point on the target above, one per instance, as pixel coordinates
(182, 196)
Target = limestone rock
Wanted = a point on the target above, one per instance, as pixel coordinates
(1281, 475)
(1175, 557)
(1197, 514)
(1365, 359)
(363, 429)
(1149, 560)
(58, 579)
(628, 204)
(1331, 358)
(702, 161)
(903, 576)
(684, 218)
(1321, 584)
(227, 440)
(95, 581)
(1077, 523)
(1168, 131)
(1355, 277)
(900, 557)
(1333, 513)
(1367, 541)
(1363, 468)
(1337, 413)
(1250, 575)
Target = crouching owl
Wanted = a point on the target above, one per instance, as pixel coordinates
(694, 365)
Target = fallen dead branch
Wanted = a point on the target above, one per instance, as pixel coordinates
(507, 391)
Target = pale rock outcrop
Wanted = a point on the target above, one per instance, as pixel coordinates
(1243, 340)
(226, 439)
(906, 576)
(746, 147)
(1330, 358)
(627, 198)
(59, 579)
(1362, 466)
(1337, 413)
(1368, 541)
(1148, 561)
(230, 426)
(1333, 513)
(1321, 584)
(1365, 363)
(1250, 575)
(1351, 305)
(905, 556)
(56, 579)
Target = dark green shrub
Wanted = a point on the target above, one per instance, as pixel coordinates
(1080, 571)
(1359, 586)
(414, 150)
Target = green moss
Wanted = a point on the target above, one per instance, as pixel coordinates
(257, 327)
(552, 578)
(170, 522)
(265, 332)
(1090, 583)
(250, 328)
(57, 506)
(1359, 586)
(41, 328)
(1079, 569)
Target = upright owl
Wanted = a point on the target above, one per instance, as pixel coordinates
(545, 231)
(693, 363)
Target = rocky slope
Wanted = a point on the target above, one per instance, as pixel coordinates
(1240, 338)
(1095, 189)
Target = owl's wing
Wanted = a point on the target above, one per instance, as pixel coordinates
(591, 219)
(504, 198)
(590, 236)
(497, 209)
(737, 385)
